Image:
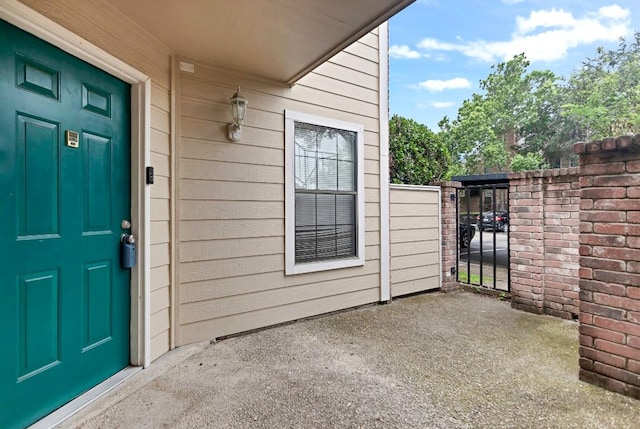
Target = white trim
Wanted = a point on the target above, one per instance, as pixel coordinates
(290, 194)
(383, 91)
(40, 26)
(174, 238)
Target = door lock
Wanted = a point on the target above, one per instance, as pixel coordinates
(127, 251)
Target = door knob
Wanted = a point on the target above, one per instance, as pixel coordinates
(125, 224)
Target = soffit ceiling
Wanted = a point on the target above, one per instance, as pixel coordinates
(276, 39)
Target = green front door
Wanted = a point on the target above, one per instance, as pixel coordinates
(64, 299)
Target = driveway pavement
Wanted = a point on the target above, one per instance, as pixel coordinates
(486, 251)
(429, 361)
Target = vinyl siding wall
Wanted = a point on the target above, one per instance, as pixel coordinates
(231, 196)
(105, 27)
(415, 239)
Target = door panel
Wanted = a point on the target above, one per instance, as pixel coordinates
(37, 162)
(65, 299)
(98, 192)
(39, 342)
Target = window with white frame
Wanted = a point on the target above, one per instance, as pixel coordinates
(324, 193)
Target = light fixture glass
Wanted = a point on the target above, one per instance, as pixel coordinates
(239, 106)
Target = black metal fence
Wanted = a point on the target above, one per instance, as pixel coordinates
(482, 215)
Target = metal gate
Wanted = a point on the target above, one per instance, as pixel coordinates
(482, 216)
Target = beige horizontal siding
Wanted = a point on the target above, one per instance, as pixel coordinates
(211, 289)
(231, 206)
(160, 215)
(104, 26)
(241, 322)
(370, 39)
(235, 304)
(415, 239)
(160, 277)
(196, 230)
(341, 73)
(356, 62)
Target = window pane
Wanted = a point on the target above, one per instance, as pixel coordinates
(326, 210)
(305, 227)
(306, 244)
(305, 157)
(327, 246)
(328, 174)
(305, 136)
(346, 241)
(345, 225)
(346, 145)
(346, 180)
(306, 170)
(305, 210)
(345, 209)
(327, 143)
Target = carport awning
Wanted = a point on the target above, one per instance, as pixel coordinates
(482, 179)
(280, 40)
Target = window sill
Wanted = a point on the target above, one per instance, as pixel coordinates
(312, 267)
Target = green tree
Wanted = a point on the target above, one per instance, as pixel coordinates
(417, 155)
(516, 113)
(602, 98)
(530, 161)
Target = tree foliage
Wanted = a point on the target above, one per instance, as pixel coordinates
(603, 97)
(523, 115)
(516, 105)
(530, 161)
(417, 155)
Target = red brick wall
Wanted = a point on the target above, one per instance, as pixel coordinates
(610, 264)
(544, 225)
(449, 234)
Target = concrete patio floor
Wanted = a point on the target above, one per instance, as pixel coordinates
(427, 361)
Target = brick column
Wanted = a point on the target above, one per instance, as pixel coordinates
(449, 234)
(610, 264)
(526, 240)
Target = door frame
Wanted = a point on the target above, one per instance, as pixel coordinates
(40, 26)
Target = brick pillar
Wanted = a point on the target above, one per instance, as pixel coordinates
(561, 231)
(449, 234)
(526, 240)
(610, 264)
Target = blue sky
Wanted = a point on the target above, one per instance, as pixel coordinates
(439, 50)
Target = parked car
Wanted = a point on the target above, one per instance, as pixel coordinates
(465, 234)
(486, 221)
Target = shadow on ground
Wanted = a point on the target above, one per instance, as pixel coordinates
(428, 361)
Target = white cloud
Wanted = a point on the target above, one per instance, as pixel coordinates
(614, 12)
(441, 85)
(404, 52)
(442, 104)
(438, 46)
(545, 35)
(544, 19)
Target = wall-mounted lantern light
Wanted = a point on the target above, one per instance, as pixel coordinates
(239, 106)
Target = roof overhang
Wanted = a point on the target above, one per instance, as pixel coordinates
(280, 40)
